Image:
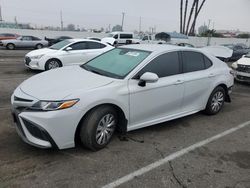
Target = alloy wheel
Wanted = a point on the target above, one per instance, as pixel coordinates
(105, 129)
(217, 101)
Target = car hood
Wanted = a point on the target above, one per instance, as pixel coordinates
(41, 52)
(59, 83)
(244, 61)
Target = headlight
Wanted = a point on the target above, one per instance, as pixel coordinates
(235, 65)
(53, 105)
(37, 56)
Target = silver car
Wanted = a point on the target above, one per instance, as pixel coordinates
(24, 42)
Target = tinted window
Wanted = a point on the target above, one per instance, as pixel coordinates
(193, 61)
(79, 46)
(145, 38)
(35, 38)
(163, 65)
(27, 38)
(95, 45)
(126, 36)
(208, 62)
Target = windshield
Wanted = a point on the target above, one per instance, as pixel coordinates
(110, 35)
(60, 45)
(248, 55)
(229, 46)
(116, 63)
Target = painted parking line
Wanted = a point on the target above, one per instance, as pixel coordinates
(173, 156)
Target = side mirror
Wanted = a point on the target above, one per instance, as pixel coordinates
(68, 49)
(148, 77)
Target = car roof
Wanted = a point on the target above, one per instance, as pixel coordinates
(158, 48)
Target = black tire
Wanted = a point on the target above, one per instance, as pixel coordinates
(91, 127)
(10, 46)
(53, 64)
(39, 46)
(216, 101)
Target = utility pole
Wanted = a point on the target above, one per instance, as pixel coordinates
(1, 18)
(123, 15)
(61, 20)
(140, 25)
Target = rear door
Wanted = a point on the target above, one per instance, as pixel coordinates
(198, 80)
(76, 55)
(156, 101)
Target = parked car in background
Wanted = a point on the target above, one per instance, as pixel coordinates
(242, 69)
(6, 36)
(238, 51)
(150, 39)
(65, 53)
(127, 88)
(24, 42)
(120, 38)
(185, 45)
(94, 38)
(57, 39)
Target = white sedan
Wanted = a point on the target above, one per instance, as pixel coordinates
(242, 69)
(65, 53)
(124, 89)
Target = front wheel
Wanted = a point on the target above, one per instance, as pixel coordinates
(98, 127)
(10, 46)
(52, 64)
(215, 101)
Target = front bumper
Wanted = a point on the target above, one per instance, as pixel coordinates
(242, 76)
(32, 63)
(51, 129)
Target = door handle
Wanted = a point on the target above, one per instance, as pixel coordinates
(211, 75)
(179, 82)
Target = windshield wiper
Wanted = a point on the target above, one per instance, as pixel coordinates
(90, 70)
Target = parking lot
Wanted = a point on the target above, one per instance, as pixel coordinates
(222, 162)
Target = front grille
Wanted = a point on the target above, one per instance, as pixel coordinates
(36, 131)
(27, 60)
(243, 68)
(243, 78)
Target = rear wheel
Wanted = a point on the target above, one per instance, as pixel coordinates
(10, 46)
(215, 101)
(39, 46)
(52, 64)
(98, 127)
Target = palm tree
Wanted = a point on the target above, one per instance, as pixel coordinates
(185, 16)
(181, 12)
(196, 15)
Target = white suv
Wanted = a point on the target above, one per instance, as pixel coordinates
(124, 89)
(116, 38)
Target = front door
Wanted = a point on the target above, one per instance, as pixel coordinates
(160, 100)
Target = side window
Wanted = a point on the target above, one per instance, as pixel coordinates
(145, 38)
(116, 36)
(192, 61)
(95, 45)
(126, 36)
(208, 62)
(79, 46)
(27, 38)
(35, 38)
(163, 65)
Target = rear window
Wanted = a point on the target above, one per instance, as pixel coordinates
(193, 61)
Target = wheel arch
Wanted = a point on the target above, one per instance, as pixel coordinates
(122, 119)
(52, 58)
(224, 86)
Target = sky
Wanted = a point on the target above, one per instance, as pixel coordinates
(162, 14)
